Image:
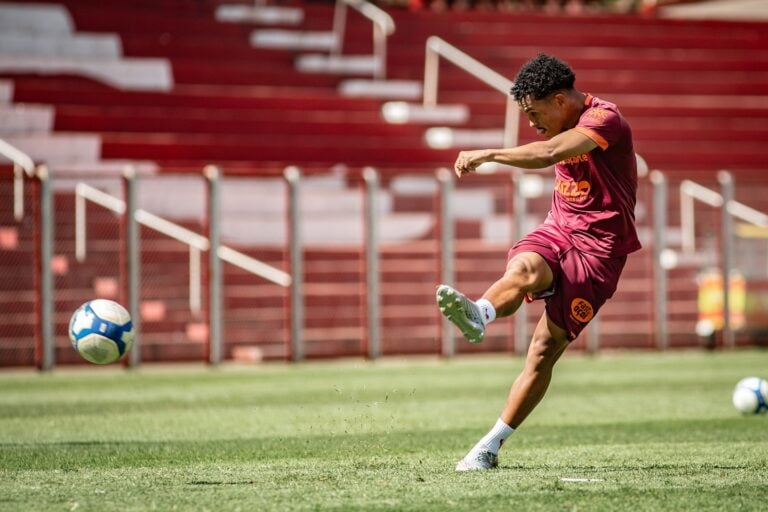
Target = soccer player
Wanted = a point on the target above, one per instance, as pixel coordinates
(574, 259)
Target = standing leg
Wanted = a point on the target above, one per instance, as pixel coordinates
(547, 345)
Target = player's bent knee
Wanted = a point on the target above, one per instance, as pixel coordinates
(529, 271)
(521, 272)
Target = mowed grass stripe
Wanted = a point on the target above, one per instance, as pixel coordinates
(657, 430)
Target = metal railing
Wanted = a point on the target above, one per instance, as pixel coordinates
(23, 166)
(372, 216)
(196, 243)
(436, 48)
(22, 163)
(690, 192)
(383, 26)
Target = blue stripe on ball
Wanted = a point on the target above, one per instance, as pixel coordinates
(111, 330)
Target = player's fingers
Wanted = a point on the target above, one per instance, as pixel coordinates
(459, 166)
(465, 167)
(464, 164)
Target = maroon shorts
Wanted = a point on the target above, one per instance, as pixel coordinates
(581, 282)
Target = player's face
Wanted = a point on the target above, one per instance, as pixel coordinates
(546, 116)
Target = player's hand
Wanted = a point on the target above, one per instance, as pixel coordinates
(468, 161)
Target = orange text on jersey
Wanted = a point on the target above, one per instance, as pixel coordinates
(575, 159)
(573, 191)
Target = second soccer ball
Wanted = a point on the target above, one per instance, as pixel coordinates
(751, 395)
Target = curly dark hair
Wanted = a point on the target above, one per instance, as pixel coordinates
(541, 76)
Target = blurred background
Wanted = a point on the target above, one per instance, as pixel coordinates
(267, 181)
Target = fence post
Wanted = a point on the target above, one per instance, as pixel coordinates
(447, 256)
(373, 315)
(18, 192)
(293, 178)
(519, 209)
(46, 355)
(660, 207)
(133, 249)
(212, 175)
(726, 260)
(593, 335)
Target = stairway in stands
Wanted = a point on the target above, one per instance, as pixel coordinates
(679, 83)
(696, 95)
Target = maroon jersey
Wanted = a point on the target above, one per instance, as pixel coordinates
(594, 199)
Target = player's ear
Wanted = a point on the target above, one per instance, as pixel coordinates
(559, 99)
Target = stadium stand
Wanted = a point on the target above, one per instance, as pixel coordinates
(174, 85)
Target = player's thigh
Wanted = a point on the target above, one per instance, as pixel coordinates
(532, 269)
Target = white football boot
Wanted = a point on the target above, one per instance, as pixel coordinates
(464, 313)
(478, 459)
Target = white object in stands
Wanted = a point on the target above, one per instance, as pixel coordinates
(24, 119)
(446, 138)
(337, 64)
(99, 46)
(387, 89)
(262, 14)
(293, 40)
(35, 18)
(40, 39)
(400, 112)
(59, 149)
(132, 74)
(6, 91)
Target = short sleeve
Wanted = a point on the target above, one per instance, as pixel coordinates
(602, 125)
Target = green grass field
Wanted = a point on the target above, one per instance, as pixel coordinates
(644, 431)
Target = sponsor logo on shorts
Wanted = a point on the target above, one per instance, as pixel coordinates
(581, 310)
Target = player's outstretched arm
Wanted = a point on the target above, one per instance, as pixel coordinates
(535, 155)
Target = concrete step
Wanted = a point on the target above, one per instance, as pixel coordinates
(25, 120)
(260, 14)
(293, 39)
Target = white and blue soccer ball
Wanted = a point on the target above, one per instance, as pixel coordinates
(750, 395)
(101, 331)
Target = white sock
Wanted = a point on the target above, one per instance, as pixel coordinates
(489, 312)
(496, 437)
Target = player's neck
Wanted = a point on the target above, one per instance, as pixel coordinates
(576, 105)
(581, 98)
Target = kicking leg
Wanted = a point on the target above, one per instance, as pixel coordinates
(527, 272)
